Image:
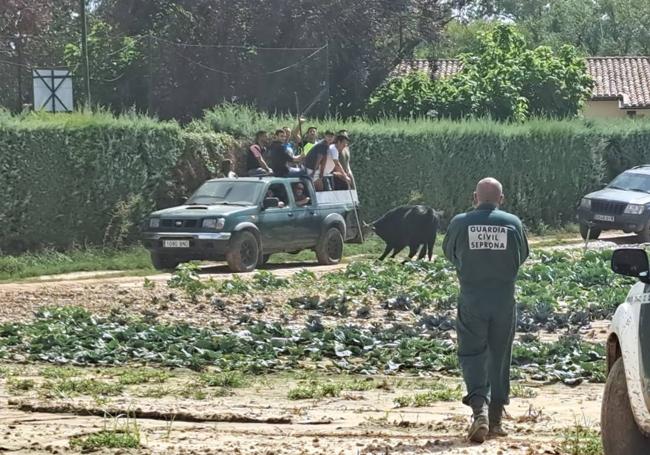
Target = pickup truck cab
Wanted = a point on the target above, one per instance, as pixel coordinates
(625, 415)
(245, 220)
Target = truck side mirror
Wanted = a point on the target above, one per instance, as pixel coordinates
(270, 202)
(631, 262)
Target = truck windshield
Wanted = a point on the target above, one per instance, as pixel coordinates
(227, 193)
(631, 181)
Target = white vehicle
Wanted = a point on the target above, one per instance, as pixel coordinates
(625, 415)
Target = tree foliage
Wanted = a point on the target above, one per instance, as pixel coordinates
(597, 27)
(366, 39)
(503, 80)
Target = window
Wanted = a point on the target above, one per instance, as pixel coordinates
(301, 194)
(279, 191)
(226, 193)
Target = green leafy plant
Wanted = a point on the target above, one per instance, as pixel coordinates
(186, 278)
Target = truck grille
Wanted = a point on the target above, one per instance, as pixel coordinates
(608, 207)
(178, 224)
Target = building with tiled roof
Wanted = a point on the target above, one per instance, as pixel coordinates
(622, 84)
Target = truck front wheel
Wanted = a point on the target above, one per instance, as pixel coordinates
(243, 252)
(163, 261)
(620, 433)
(329, 250)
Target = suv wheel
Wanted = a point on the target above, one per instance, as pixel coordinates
(243, 253)
(163, 261)
(593, 234)
(644, 235)
(620, 434)
(329, 249)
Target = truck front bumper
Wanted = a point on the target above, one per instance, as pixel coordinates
(624, 222)
(195, 245)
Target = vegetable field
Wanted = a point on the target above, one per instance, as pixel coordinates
(355, 359)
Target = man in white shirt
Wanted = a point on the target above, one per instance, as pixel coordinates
(333, 164)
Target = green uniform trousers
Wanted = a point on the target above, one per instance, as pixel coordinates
(485, 328)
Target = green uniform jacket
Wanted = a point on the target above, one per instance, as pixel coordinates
(487, 246)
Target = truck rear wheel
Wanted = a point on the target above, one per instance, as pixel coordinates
(620, 433)
(329, 249)
(243, 252)
(163, 261)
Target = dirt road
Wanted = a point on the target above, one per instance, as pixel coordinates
(355, 423)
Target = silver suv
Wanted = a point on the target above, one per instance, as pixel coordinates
(625, 415)
(624, 205)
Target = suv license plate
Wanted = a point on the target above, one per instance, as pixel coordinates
(176, 243)
(603, 218)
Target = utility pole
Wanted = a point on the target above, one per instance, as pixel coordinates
(19, 72)
(84, 50)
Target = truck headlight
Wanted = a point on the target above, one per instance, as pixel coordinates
(154, 222)
(634, 209)
(214, 223)
(585, 203)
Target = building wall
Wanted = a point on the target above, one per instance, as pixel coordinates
(607, 109)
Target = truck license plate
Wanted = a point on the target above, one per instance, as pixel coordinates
(603, 218)
(176, 243)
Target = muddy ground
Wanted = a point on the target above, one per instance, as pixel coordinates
(365, 422)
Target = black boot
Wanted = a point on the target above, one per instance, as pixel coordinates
(480, 425)
(495, 414)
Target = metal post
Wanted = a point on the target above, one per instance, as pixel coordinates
(327, 74)
(588, 236)
(19, 72)
(84, 49)
(356, 213)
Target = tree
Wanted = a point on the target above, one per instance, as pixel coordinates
(503, 80)
(407, 97)
(598, 27)
(366, 38)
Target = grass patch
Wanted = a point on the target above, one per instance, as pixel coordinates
(142, 376)
(121, 436)
(59, 372)
(79, 260)
(315, 390)
(92, 387)
(153, 392)
(228, 379)
(15, 385)
(441, 392)
(106, 440)
(580, 440)
(520, 391)
(194, 391)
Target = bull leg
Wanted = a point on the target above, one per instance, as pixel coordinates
(430, 246)
(385, 253)
(423, 250)
(397, 251)
(413, 249)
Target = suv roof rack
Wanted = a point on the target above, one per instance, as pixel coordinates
(641, 166)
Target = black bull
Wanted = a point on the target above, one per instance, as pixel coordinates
(415, 226)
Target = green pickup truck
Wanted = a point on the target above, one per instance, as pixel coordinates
(245, 220)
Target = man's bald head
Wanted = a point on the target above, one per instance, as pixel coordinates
(488, 191)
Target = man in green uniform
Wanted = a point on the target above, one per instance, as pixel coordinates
(486, 246)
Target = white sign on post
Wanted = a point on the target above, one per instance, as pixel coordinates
(52, 90)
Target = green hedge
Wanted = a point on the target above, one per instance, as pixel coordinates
(78, 179)
(545, 166)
